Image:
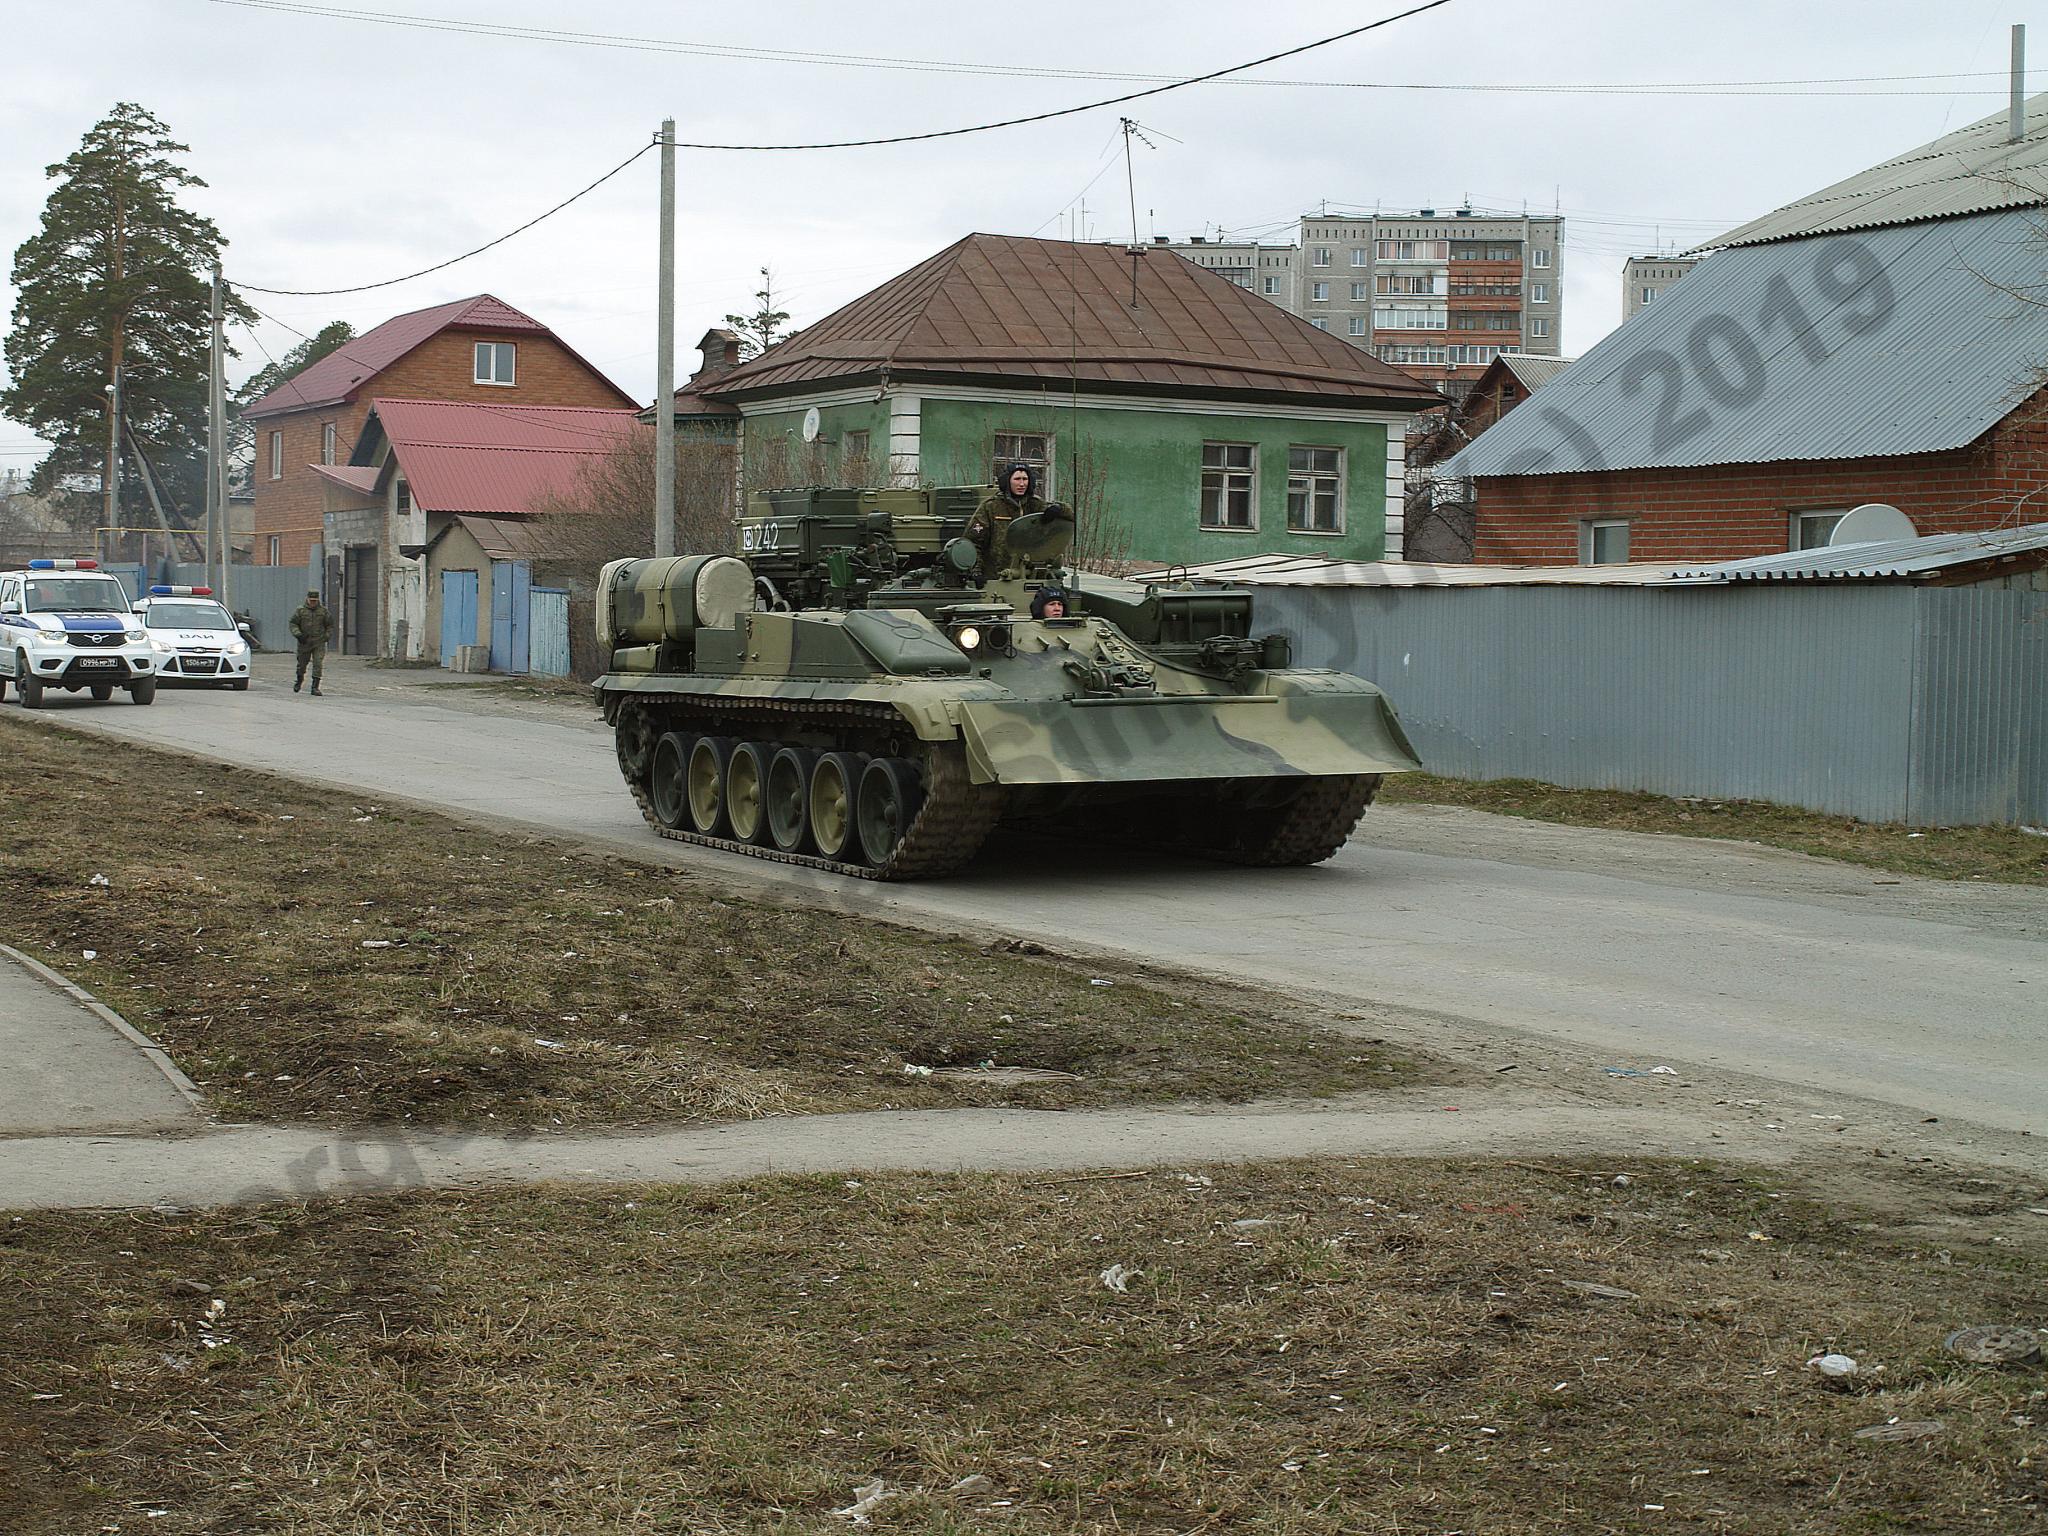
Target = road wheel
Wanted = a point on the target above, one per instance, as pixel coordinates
(705, 782)
(788, 789)
(746, 785)
(28, 685)
(3, 687)
(671, 761)
(143, 692)
(834, 778)
(634, 736)
(888, 804)
(102, 691)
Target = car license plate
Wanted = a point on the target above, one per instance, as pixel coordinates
(98, 661)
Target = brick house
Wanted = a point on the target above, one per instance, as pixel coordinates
(1186, 418)
(1872, 342)
(478, 349)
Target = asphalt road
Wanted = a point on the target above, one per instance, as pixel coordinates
(1929, 996)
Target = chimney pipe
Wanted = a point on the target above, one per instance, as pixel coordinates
(2016, 126)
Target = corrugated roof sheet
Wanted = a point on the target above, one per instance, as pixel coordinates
(1972, 170)
(342, 372)
(360, 479)
(1896, 560)
(1907, 559)
(462, 457)
(506, 538)
(1534, 372)
(1908, 339)
(1011, 309)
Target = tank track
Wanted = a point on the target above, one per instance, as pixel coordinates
(1308, 829)
(955, 819)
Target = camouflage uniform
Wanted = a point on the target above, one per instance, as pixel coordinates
(311, 626)
(995, 514)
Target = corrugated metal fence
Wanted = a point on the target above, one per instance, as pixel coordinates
(267, 594)
(1888, 702)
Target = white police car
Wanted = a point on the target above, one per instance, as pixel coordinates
(66, 624)
(196, 640)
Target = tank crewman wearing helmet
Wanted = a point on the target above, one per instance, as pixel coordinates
(1017, 496)
(311, 624)
(1049, 603)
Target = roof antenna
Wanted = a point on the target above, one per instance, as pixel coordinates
(1132, 131)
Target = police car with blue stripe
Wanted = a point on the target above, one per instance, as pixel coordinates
(67, 624)
(196, 640)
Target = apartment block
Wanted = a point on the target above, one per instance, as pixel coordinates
(1438, 294)
(1644, 277)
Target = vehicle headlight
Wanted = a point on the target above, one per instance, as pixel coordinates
(161, 646)
(234, 648)
(136, 634)
(967, 637)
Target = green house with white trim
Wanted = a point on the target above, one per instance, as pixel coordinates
(1185, 419)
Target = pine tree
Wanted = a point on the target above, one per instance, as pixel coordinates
(115, 281)
(763, 328)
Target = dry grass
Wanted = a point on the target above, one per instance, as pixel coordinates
(1396, 1350)
(304, 953)
(2003, 854)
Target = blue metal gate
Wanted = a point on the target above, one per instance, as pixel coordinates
(511, 619)
(550, 649)
(458, 612)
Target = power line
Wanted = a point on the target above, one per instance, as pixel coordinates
(328, 293)
(631, 43)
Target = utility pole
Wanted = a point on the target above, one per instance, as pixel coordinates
(665, 360)
(217, 532)
(111, 489)
(2016, 125)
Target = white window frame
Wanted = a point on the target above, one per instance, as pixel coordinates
(1319, 256)
(1589, 541)
(1539, 293)
(1270, 284)
(277, 455)
(1357, 327)
(488, 355)
(1539, 257)
(1041, 461)
(1360, 257)
(1538, 326)
(1319, 293)
(1796, 523)
(328, 437)
(1319, 322)
(1227, 482)
(1304, 481)
(276, 549)
(1359, 292)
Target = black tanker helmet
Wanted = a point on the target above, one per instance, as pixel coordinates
(1030, 475)
(1046, 595)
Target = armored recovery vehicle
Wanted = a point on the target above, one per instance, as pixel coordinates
(854, 693)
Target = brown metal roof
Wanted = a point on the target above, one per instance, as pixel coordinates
(1006, 309)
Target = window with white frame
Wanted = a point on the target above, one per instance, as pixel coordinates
(1812, 530)
(276, 549)
(855, 448)
(1320, 256)
(1358, 325)
(1229, 486)
(497, 362)
(326, 442)
(1269, 284)
(1360, 257)
(1649, 294)
(1319, 322)
(1315, 490)
(1319, 292)
(277, 455)
(1032, 448)
(1538, 326)
(1539, 257)
(1539, 293)
(1603, 541)
(1358, 291)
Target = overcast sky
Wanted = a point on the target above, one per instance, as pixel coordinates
(342, 152)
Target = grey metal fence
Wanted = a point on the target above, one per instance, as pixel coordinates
(1888, 702)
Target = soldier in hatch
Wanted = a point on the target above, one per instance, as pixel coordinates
(310, 626)
(1015, 497)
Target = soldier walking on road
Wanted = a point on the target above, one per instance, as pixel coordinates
(311, 625)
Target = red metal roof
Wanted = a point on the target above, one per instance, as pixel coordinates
(1009, 309)
(493, 459)
(361, 479)
(342, 372)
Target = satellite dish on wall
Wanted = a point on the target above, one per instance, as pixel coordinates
(1872, 523)
(811, 425)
